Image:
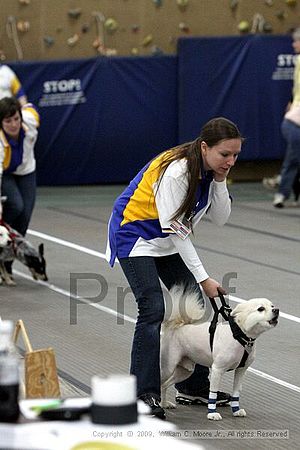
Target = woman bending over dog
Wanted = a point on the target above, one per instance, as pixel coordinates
(18, 135)
(149, 234)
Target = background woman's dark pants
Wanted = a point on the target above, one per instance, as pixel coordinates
(291, 163)
(143, 274)
(20, 191)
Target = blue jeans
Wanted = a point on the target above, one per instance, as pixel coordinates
(144, 274)
(20, 191)
(291, 162)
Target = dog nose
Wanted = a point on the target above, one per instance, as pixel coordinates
(276, 311)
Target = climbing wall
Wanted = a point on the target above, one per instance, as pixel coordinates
(60, 29)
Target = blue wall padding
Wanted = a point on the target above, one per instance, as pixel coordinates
(234, 77)
(103, 118)
(130, 114)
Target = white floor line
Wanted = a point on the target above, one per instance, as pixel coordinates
(61, 291)
(274, 379)
(69, 244)
(102, 256)
(57, 289)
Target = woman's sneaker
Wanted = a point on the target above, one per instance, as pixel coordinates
(271, 183)
(278, 201)
(202, 398)
(155, 409)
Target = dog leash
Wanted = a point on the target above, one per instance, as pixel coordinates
(225, 310)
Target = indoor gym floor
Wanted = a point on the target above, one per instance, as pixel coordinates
(260, 246)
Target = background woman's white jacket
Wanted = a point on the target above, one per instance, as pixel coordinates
(31, 121)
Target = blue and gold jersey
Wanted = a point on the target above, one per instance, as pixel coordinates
(139, 224)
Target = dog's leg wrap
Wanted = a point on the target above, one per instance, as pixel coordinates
(235, 403)
(212, 400)
(235, 406)
(212, 412)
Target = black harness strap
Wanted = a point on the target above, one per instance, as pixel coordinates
(237, 333)
(241, 337)
(243, 360)
(225, 311)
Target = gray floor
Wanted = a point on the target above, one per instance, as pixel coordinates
(259, 247)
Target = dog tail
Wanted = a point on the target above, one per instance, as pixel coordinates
(182, 308)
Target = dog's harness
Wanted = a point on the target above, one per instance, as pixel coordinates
(237, 333)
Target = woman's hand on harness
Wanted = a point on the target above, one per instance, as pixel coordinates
(211, 287)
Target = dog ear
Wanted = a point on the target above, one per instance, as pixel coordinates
(236, 310)
(41, 250)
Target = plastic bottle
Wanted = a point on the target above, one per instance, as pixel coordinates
(9, 374)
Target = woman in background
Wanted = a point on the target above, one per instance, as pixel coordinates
(290, 128)
(10, 85)
(18, 135)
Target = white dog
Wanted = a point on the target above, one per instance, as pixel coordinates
(4, 236)
(186, 343)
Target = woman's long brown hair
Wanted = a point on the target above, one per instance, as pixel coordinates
(213, 132)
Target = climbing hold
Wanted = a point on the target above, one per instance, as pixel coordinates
(110, 25)
(182, 4)
(111, 52)
(99, 46)
(157, 3)
(267, 27)
(184, 27)
(291, 2)
(233, 4)
(281, 14)
(135, 28)
(134, 51)
(48, 40)
(85, 28)
(156, 51)
(244, 26)
(23, 26)
(74, 13)
(147, 40)
(97, 43)
(73, 40)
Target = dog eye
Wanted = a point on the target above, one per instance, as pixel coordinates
(260, 309)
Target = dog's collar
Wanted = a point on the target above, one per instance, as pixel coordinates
(239, 335)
